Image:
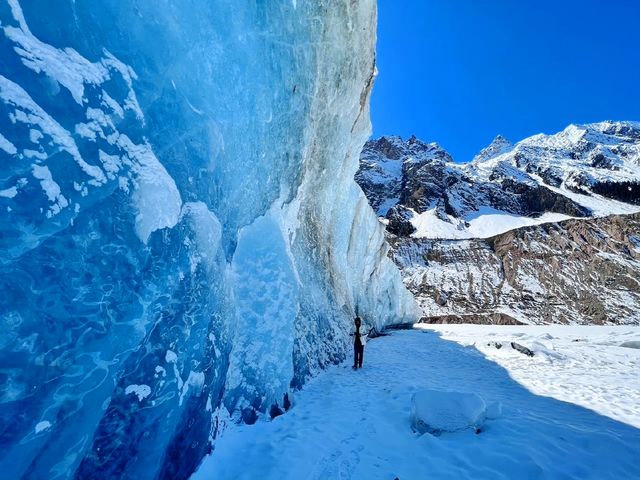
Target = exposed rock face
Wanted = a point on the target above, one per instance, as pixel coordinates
(495, 318)
(583, 171)
(576, 271)
(545, 230)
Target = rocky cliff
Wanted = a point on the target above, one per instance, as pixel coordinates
(575, 271)
(545, 230)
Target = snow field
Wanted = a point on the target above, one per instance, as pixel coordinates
(347, 424)
(482, 224)
(591, 366)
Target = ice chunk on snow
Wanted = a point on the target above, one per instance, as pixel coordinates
(265, 289)
(434, 411)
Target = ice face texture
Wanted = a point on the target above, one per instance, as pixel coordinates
(180, 231)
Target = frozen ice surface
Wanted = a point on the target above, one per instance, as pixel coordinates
(436, 412)
(181, 236)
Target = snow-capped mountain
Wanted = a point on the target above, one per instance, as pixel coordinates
(522, 233)
(583, 171)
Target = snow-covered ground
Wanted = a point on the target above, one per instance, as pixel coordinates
(570, 411)
(585, 365)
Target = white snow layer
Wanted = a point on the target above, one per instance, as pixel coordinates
(570, 411)
(483, 224)
(585, 365)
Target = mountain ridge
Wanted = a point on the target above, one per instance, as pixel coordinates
(546, 230)
(584, 171)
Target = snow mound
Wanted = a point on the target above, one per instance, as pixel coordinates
(435, 412)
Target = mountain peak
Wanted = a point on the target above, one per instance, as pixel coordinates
(498, 146)
(584, 170)
(500, 140)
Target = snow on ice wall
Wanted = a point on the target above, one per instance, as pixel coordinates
(181, 234)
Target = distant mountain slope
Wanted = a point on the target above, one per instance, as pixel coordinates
(583, 171)
(543, 231)
(575, 271)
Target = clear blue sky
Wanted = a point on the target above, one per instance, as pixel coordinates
(459, 72)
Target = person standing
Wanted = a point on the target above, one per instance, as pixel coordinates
(359, 341)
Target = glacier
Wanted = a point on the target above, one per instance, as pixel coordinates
(182, 239)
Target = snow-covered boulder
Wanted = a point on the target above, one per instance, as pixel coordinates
(435, 412)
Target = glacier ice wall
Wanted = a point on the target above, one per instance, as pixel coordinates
(180, 231)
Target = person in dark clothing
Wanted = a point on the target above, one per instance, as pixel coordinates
(359, 341)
